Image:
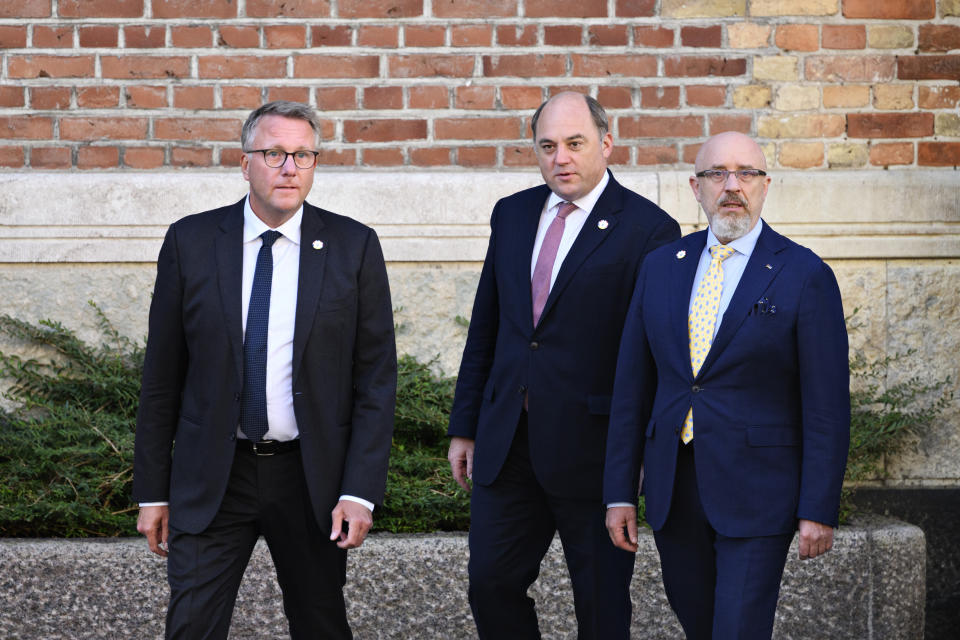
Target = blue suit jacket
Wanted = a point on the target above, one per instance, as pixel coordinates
(771, 404)
(566, 364)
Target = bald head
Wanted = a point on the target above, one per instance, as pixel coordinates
(568, 98)
(743, 146)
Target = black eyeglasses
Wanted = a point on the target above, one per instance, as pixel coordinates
(721, 175)
(274, 158)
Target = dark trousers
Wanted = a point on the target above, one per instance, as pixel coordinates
(721, 588)
(512, 523)
(266, 495)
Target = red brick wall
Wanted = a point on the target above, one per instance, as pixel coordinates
(151, 84)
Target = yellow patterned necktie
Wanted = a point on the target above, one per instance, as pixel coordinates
(703, 318)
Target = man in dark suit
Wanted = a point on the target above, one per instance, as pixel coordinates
(529, 419)
(732, 398)
(271, 371)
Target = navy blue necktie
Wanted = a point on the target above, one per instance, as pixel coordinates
(253, 407)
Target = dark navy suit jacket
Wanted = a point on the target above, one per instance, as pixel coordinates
(566, 364)
(771, 404)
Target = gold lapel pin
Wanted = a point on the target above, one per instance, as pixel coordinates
(681, 254)
(318, 244)
(603, 224)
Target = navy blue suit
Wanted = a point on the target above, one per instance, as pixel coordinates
(539, 471)
(771, 404)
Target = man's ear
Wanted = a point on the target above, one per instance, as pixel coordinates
(695, 185)
(245, 166)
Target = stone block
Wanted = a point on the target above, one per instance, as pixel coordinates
(793, 97)
(794, 7)
(847, 155)
(751, 96)
(748, 35)
(702, 8)
(775, 68)
(883, 36)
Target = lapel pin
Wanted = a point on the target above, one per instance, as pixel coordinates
(603, 224)
(768, 266)
(318, 244)
(681, 254)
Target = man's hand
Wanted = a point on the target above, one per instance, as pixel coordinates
(359, 518)
(622, 527)
(153, 523)
(460, 456)
(815, 539)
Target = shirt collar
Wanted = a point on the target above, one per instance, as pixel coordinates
(743, 244)
(254, 226)
(588, 201)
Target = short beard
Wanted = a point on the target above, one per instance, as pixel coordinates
(727, 227)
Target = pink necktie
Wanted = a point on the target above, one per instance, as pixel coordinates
(540, 283)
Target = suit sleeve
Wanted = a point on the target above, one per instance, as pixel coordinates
(479, 349)
(824, 373)
(374, 381)
(164, 367)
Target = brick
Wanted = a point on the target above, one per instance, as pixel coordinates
(25, 9)
(554, 89)
(240, 97)
(385, 130)
(654, 37)
(794, 97)
(431, 66)
(776, 68)
(13, 96)
(49, 66)
(704, 95)
(99, 8)
(801, 126)
(98, 97)
(628, 65)
(103, 128)
(52, 37)
(619, 156)
(197, 129)
(293, 94)
(191, 157)
(844, 36)
(13, 37)
(337, 157)
(846, 155)
(383, 98)
(192, 36)
(140, 97)
(471, 35)
(49, 97)
(850, 68)
(524, 97)
(636, 8)
(797, 37)
(752, 96)
(721, 122)
(660, 126)
(502, 128)
(330, 36)
(195, 8)
(474, 97)
(614, 97)
(554, 9)
(11, 157)
(98, 157)
(517, 35)
(893, 96)
(239, 37)
(519, 156)
(886, 154)
(50, 158)
(801, 155)
(950, 7)
(690, 152)
(656, 154)
(525, 66)
(138, 37)
(285, 36)
(659, 97)
(944, 97)
(839, 96)
(702, 8)
(321, 66)
(476, 156)
(288, 8)
(938, 154)
(701, 36)
(474, 8)
(794, 7)
(884, 36)
(424, 36)
(890, 9)
(947, 124)
(380, 8)
(193, 97)
(432, 156)
(693, 66)
(748, 35)
(428, 97)
(336, 98)
(563, 35)
(612, 35)
(382, 157)
(928, 67)
(377, 36)
(231, 157)
(145, 66)
(937, 37)
(889, 125)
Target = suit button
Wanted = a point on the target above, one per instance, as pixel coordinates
(534, 345)
(677, 430)
(233, 436)
(695, 388)
(522, 388)
(236, 397)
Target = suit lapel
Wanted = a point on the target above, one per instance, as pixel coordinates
(229, 256)
(310, 280)
(681, 288)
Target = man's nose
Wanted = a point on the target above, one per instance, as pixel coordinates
(732, 183)
(563, 156)
(289, 167)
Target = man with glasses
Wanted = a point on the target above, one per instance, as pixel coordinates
(268, 391)
(732, 402)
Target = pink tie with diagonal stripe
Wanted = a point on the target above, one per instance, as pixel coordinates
(540, 283)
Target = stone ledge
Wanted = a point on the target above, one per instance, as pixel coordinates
(871, 587)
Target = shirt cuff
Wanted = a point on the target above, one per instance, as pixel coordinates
(153, 504)
(620, 504)
(366, 503)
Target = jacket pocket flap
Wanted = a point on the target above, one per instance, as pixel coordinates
(773, 436)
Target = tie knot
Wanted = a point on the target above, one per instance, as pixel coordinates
(269, 237)
(565, 209)
(721, 252)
